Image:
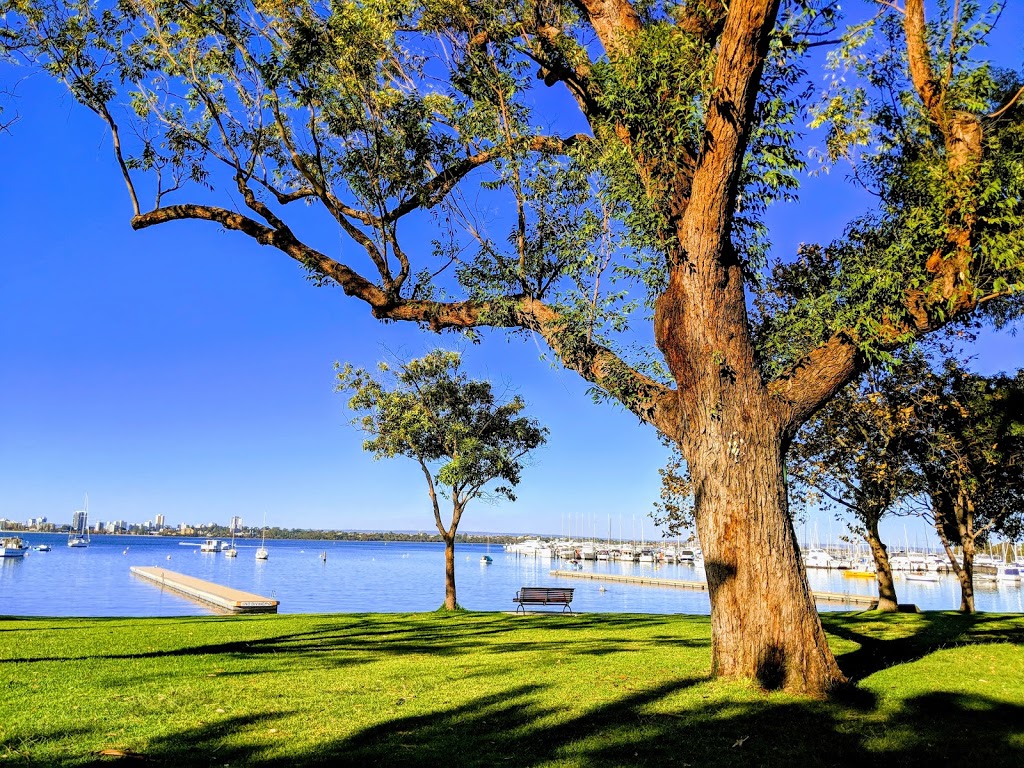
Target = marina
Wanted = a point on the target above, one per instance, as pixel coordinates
(308, 576)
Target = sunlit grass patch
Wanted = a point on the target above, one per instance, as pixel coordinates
(496, 689)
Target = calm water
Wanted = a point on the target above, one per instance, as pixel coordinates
(368, 576)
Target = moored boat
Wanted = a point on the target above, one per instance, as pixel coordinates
(262, 553)
(819, 558)
(853, 573)
(12, 546)
(79, 537)
(1008, 572)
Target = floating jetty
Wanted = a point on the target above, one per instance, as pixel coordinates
(651, 581)
(701, 586)
(233, 600)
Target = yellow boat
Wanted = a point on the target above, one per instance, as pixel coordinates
(850, 574)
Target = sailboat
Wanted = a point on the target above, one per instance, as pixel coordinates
(230, 551)
(262, 553)
(80, 536)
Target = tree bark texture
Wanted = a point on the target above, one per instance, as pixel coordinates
(763, 618)
(966, 576)
(887, 601)
(450, 603)
(964, 507)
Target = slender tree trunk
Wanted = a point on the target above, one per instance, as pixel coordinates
(450, 603)
(942, 507)
(764, 622)
(965, 519)
(883, 571)
(966, 576)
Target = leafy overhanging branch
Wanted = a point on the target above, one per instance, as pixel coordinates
(650, 400)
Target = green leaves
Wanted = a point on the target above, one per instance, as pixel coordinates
(429, 410)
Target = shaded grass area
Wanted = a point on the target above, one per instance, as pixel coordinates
(492, 689)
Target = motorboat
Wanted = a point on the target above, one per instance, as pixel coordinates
(42, 548)
(211, 545)
(819, 558)
(12, 546)
(1008, 572)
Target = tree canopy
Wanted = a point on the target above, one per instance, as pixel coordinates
(378, 111)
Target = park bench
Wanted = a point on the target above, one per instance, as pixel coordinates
(543, 596)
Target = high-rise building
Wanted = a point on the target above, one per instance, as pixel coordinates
(78, 521)
(236, 524)
(159, 522)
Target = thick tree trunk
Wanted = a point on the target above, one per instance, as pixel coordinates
(731, 429)
(763, 619)
(883, 571)
(450, 603)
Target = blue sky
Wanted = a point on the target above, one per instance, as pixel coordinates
(187, 372)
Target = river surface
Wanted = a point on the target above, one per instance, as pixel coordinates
(373, 577)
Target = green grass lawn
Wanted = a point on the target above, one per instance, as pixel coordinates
(495, 689)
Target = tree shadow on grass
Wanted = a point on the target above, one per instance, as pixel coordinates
(349, 639)
(519, 727)
(917, 636)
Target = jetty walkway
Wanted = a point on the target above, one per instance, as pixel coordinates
(226, 598)
(701, 586)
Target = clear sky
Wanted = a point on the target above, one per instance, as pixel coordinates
(187, 372)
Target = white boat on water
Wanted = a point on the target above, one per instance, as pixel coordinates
(80, 536)
(819, 558)
(12, 546)
(626, 554)
(921, 576)
(211, 545)
(230, 551)
(42, 548)
(262, 553)
(1009, 572)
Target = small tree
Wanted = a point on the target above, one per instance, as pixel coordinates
(854, 452)
(969, 444)
(461, 437)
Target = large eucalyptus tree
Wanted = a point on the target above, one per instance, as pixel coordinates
(641, 173)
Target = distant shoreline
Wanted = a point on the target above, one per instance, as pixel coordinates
(304, 534)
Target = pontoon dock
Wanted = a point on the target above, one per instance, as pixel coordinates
(233, 600)
(701, 586)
